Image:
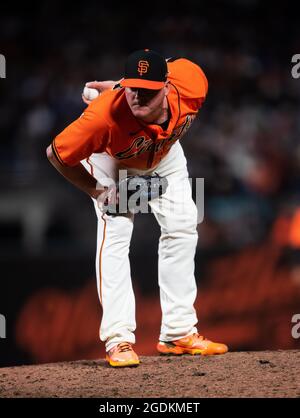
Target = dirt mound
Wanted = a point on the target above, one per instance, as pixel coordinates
(237, 374)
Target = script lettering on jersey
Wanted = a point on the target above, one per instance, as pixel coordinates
(144, 144)
(181, 130)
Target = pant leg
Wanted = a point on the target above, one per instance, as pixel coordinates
(114, 279)
(176, 214)
(112, 265)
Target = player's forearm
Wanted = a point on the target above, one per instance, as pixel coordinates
(76, 175)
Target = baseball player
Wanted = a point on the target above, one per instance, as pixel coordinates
(136, 125)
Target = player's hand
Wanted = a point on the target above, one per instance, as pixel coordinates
(107, 198)
(100, 86)
(109, 195)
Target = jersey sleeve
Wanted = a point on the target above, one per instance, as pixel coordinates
(190, 80)
(86, 135)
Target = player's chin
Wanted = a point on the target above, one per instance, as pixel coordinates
(140, 111)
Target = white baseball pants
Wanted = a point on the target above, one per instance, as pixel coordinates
(176, 213)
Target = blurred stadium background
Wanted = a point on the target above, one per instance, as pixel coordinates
(245, 144)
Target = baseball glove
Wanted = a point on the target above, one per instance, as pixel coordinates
(133, 194)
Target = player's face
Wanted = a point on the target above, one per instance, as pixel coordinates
(145, 103)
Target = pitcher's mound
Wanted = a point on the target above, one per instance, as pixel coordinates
(237, 374)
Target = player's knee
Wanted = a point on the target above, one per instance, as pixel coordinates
(188, 219)
(184, 227)
(187, 216)
(120, 228)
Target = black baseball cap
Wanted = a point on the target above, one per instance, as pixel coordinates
(145, 69)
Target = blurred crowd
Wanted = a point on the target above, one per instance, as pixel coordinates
(245, 142)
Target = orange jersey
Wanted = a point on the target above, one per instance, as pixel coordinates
(108, 125)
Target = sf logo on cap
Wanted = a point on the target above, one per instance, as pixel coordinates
(143, 67)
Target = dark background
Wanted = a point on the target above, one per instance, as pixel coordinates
(244, 143)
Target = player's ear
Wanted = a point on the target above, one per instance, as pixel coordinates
(167, 87)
